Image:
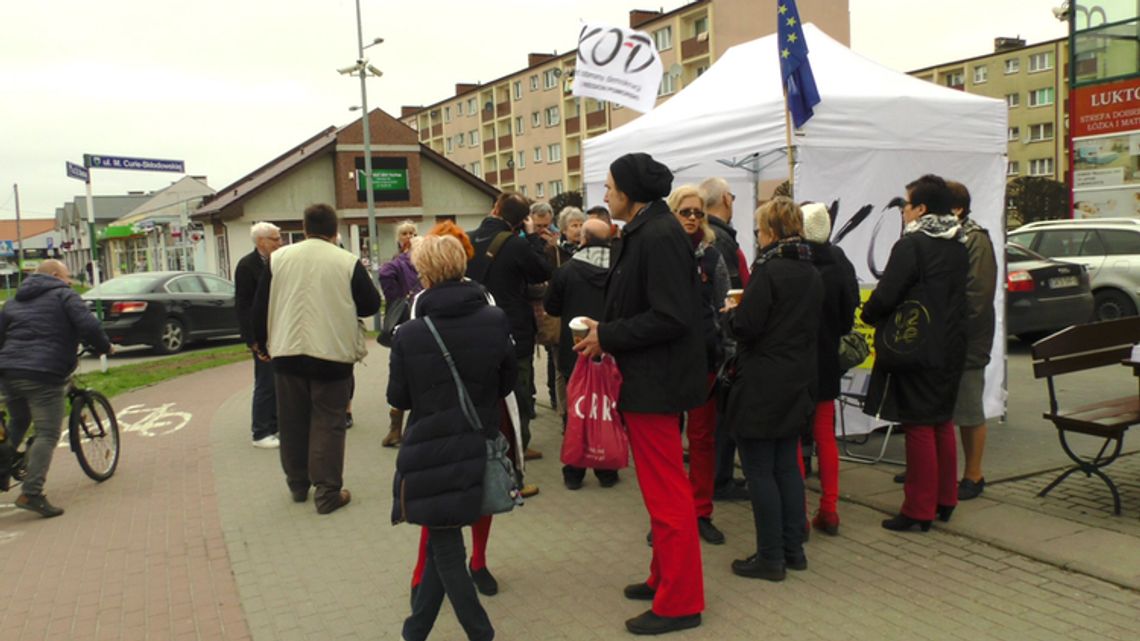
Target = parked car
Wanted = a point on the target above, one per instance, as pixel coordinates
(165, 310)
(1043, 295)
(1108, 247)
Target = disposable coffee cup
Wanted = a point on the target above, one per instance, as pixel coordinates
(735, 295)
(579, 328)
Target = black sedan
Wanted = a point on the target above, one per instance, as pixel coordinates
(165, 310)
(1043, 295)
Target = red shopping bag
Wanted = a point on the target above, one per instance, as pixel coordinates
(595, 436)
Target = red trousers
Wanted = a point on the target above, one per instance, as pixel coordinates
(823, 431)
(480, 532)
(931, 470)
(702, 453)
(675, 572)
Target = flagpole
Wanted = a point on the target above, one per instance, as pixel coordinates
(791, 151)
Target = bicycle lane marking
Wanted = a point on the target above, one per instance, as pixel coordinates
(144, 420)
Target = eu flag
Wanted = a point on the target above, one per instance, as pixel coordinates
(799, 84)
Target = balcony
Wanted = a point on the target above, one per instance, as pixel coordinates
(488, 115)
(503, 109)
(424, 134)
(506, 176)
(505, 142)
(436, 131)
(573, 124)
(491, 177)
(489, 146)
(573, 163)
(595, 119)
(694, 47)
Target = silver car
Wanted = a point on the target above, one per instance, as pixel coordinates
(1108, 247)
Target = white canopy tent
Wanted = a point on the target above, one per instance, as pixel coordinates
(874, 130)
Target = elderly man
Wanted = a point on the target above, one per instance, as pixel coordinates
(40, 332)
(266, 239)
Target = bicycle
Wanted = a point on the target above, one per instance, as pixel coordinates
(92, 430)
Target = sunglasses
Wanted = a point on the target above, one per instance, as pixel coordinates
(691, 213)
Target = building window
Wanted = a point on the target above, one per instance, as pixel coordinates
(552, 117)
(538, 193)
(555, 187)
(518, 125)
(1041, 62)
(449, 144)
(521, 164)
(955, 79)
(473, 136)
(538, 154)
(534, 82)
(1013, 134)
(522, 190)
(663, 38)
(668, 84)
(1012, 100)
(554, 152)
(550, 79)
(471, 106)
(981, 74)
(477, 168)
(1041, 97)
(701, 69)
(459, 140)
(447, 114)
(535, 119)
(1012, 65)
(1043, 131)
(517, 89)
(1012, 168)
(1041, 167)
(700, 25)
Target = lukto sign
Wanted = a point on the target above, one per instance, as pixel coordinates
(138, 164)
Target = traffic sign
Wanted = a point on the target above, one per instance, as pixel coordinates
(78, 172)
(140, 164)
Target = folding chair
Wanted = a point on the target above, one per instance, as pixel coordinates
(851, 395)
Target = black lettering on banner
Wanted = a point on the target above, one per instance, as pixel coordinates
(613, 54)
(583, 37)
(633, 54)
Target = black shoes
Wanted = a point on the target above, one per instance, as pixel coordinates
(797, 563)
(731, 492)
(968, 489)
(902, 523)
(348, 420)
(484, 582)
(572, 482)
(300, 496)
(709, 532)
(756, 568)
(944, 512)
(38, 504)
(649, 623)
(639, 592)
(342, 499)
(607, 478)
(900, 477)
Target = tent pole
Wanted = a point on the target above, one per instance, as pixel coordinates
(791, 151)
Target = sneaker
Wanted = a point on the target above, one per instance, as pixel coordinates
(709, 532)
(968, 489)
(528, 491)
(484, 582)
(38, 504)
(268, 443)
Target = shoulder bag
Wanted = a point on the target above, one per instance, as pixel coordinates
(500, 492)
(395, 314)
(912, 337)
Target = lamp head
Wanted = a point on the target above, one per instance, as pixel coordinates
(1062, 12)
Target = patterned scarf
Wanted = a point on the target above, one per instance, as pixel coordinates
(946, 227)
(792, 247)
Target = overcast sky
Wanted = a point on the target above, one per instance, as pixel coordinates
(227, 85)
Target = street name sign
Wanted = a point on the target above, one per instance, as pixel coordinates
(139, 164)
(79, 172)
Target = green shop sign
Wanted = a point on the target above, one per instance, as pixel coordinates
(385, 180)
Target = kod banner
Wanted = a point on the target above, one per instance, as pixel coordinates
(619, 65)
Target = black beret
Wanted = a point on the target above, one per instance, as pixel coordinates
(641, 178)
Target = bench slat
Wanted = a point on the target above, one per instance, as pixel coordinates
(1067, 364)
(1108, 418)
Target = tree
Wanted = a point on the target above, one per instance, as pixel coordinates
(1030, 198)
(566, 199)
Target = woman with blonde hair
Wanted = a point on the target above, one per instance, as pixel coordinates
(771, 402)
(688, 207)
(398, 279)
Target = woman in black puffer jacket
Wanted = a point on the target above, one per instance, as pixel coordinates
(442, 459)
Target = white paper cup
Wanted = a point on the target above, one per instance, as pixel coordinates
(579, 328)
(736, 295)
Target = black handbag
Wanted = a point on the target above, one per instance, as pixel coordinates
(500, 492)
(912, 337)
(396, 313)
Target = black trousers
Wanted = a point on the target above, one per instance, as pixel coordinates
(725, 453)
(264, 400)
(445, 572)
(310, 421)
(777, 492)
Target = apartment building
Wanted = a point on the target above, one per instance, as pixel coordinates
(524, 131)
(1033, 82)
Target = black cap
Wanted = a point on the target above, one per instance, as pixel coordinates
(641, 178)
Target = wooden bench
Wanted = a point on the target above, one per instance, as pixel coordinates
(1080, 348)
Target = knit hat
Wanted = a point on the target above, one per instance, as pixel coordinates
(817, 222)
(641, 178)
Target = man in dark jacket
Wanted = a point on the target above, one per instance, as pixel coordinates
(40, 332)
(652, 326)
(579, 289)
(505, 263)
(266, 239)
(981, 282)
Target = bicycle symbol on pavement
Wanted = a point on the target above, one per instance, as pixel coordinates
(152, 421)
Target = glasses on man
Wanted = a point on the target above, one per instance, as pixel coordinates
(692, 212)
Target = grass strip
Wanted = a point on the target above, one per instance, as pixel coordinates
(125, 378)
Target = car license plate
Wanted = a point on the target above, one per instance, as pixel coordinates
(1063, 281)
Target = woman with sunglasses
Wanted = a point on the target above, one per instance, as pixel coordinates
(687, 205)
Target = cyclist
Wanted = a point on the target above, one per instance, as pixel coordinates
(40, 331)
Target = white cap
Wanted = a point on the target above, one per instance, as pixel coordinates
(817, 223)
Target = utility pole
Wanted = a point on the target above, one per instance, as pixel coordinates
(19, 238)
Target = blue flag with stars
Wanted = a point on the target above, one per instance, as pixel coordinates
(799, 84)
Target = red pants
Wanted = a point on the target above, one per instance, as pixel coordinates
(480, 532)
(931, 470)
(823, 430)
(702, 453)
(675, 572)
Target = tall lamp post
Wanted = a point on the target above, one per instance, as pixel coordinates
(363, 69)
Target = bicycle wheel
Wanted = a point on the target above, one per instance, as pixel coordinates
(94, 432)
